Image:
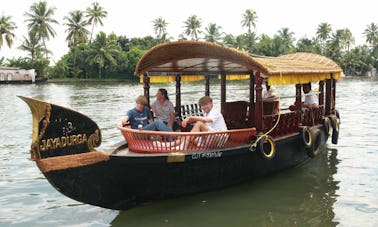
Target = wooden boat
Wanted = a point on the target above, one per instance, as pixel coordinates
(259, 141)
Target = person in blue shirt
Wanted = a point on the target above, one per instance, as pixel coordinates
(140, 116)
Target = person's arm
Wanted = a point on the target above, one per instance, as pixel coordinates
(123, 120)
(191, 119)
(171, 120)
(149, 115)
(153, 108)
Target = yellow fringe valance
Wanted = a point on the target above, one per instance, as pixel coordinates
(235, 77)
(300, 78)
(273, 79)
(172, 78)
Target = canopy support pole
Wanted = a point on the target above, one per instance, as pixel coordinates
(223, 90)
(146, 88)
(298, 102)
(252, 106)
(207, 85)
(321, 93)
(178, 95)
(333, 105)
(329, 95)
(259, 104)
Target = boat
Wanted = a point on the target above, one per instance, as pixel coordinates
(14, 75)
(259, 141)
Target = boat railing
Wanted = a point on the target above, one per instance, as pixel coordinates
(289, 122)
(143, 141)
(189, 110)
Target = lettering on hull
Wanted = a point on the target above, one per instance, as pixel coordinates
(61, 142)
(213, 154)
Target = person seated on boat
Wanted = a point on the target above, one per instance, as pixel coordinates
(269, 93)
(211, 121)
(311, 99)
(270, 99)
(140, 115)
(164, 110)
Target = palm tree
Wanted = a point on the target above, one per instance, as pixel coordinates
(250, 42)
(77, 33)
(335, 45)
(192, 26)
(95, 15)
(213, 33)
(249, 19)
(229, 40)
(32, 45)
(347, 38)
(371, 34)
(323, 33)
(287, 40)
(39, 22)
(6, 28)
(307, 45)
(103, 50)
(160, 27)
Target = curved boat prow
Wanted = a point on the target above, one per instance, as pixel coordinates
(59, 131)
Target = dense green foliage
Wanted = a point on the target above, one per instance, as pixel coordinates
(112, 56)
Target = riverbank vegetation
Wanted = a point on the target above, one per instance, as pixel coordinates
(114, 56)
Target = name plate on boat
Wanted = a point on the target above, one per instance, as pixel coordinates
(211, 154)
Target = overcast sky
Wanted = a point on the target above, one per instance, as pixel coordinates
(134, 18)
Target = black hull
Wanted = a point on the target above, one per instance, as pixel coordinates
(121, 182)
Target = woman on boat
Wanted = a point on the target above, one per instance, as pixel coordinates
(140, 117)
(164, 110)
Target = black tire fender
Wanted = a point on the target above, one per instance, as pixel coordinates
(327, 126)
(267, 147)
(306, 136)
(314, 149)
(335, 129)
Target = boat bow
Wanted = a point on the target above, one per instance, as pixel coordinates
(59, 131)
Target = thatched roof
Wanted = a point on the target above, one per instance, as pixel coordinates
(199, 58)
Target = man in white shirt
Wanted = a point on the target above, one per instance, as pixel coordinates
(211, 121)
(269, 92)
(311, 99)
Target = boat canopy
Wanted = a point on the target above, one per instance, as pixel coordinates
(195, 59)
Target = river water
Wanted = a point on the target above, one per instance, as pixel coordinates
(337, 188)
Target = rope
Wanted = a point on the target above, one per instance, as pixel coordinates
(254, 145)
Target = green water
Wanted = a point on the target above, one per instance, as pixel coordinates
(338, 188)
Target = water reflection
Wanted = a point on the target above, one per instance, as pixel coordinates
(303, 196)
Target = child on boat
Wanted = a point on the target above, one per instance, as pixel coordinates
(211, 121)
(140, 117)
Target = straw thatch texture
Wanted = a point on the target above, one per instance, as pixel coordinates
(195, 57)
